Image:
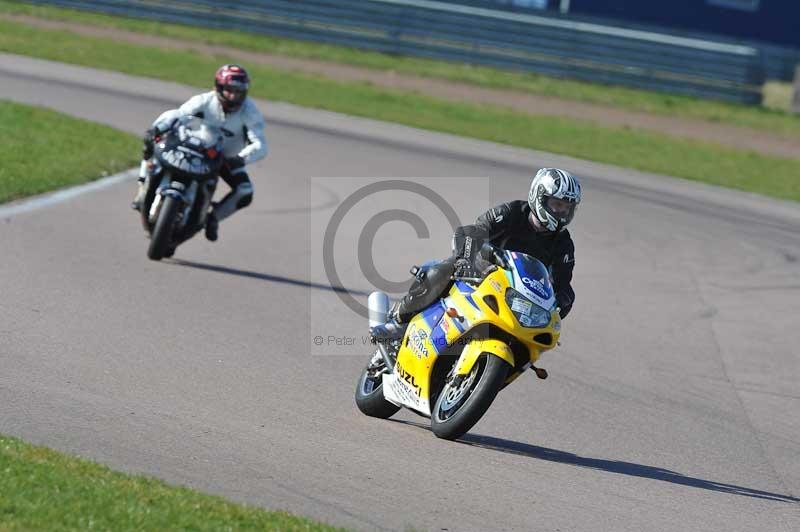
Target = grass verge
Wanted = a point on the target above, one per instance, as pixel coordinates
(44, 150)
(642, 150)
(41, 489)
(766, 118)
(778, 95)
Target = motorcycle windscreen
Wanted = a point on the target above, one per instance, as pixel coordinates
(532, 279)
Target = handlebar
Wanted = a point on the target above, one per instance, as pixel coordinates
(494, 255)
(476, 280)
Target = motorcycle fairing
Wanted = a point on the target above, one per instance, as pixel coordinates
(187, 160)
(189, 147)
(433, 314)
(398, 391)
(406, 386)
(476, 348)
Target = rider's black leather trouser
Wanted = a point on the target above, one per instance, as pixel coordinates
(428, 286)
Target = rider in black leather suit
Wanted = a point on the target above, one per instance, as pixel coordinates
(536, 227)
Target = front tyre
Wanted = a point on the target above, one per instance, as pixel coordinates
(161, 237)
(460, 406)
(369, 393)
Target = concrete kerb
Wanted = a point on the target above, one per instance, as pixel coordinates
(47, 199)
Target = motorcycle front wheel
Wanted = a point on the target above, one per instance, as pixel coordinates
(161, 237)
(459, 406)
(369, 394)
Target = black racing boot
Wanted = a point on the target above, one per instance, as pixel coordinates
(212, 228)
(392, 330)
(387, 332)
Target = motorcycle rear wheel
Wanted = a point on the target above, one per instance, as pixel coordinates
(369, 396)
(458, 408)
(161, 237)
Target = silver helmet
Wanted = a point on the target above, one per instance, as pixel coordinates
(553, 198)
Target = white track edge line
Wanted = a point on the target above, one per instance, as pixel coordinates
(51, 198)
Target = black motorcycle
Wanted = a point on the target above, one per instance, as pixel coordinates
(182, 178)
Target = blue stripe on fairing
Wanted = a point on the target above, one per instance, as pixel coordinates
(433, 314)
(466, 290)
(438, 339)
(464, 287)
(471, 301)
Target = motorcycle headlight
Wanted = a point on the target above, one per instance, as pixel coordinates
(528, 313)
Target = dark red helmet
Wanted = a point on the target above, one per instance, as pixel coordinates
(231, 83)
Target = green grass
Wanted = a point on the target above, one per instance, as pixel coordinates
(41, 489)
(44, 150)
(643, 150)
(769, 118)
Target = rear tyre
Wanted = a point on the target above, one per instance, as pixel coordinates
(161, 237)
(459, 407)
(369, 394)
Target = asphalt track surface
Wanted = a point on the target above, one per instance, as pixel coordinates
(673, 403)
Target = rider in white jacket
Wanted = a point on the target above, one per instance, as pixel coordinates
(228, 108)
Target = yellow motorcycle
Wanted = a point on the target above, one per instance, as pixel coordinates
(457, 354)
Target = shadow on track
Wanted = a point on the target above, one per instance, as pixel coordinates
(610, 466)
(264, 276)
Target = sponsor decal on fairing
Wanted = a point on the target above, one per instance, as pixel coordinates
(399, 392)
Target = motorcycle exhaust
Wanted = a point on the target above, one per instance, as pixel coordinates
(378, 305)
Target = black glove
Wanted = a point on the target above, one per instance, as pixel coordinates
(467, 246)
(465, 268)
(234, 163)
(154, 133)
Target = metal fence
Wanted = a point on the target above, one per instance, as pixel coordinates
(547, 45)
(779, 61)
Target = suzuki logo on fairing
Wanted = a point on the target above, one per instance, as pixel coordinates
(409, 378)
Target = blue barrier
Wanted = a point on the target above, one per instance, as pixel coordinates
(544, 44)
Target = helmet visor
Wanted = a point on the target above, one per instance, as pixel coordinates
(560, 209)
(234, 93)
